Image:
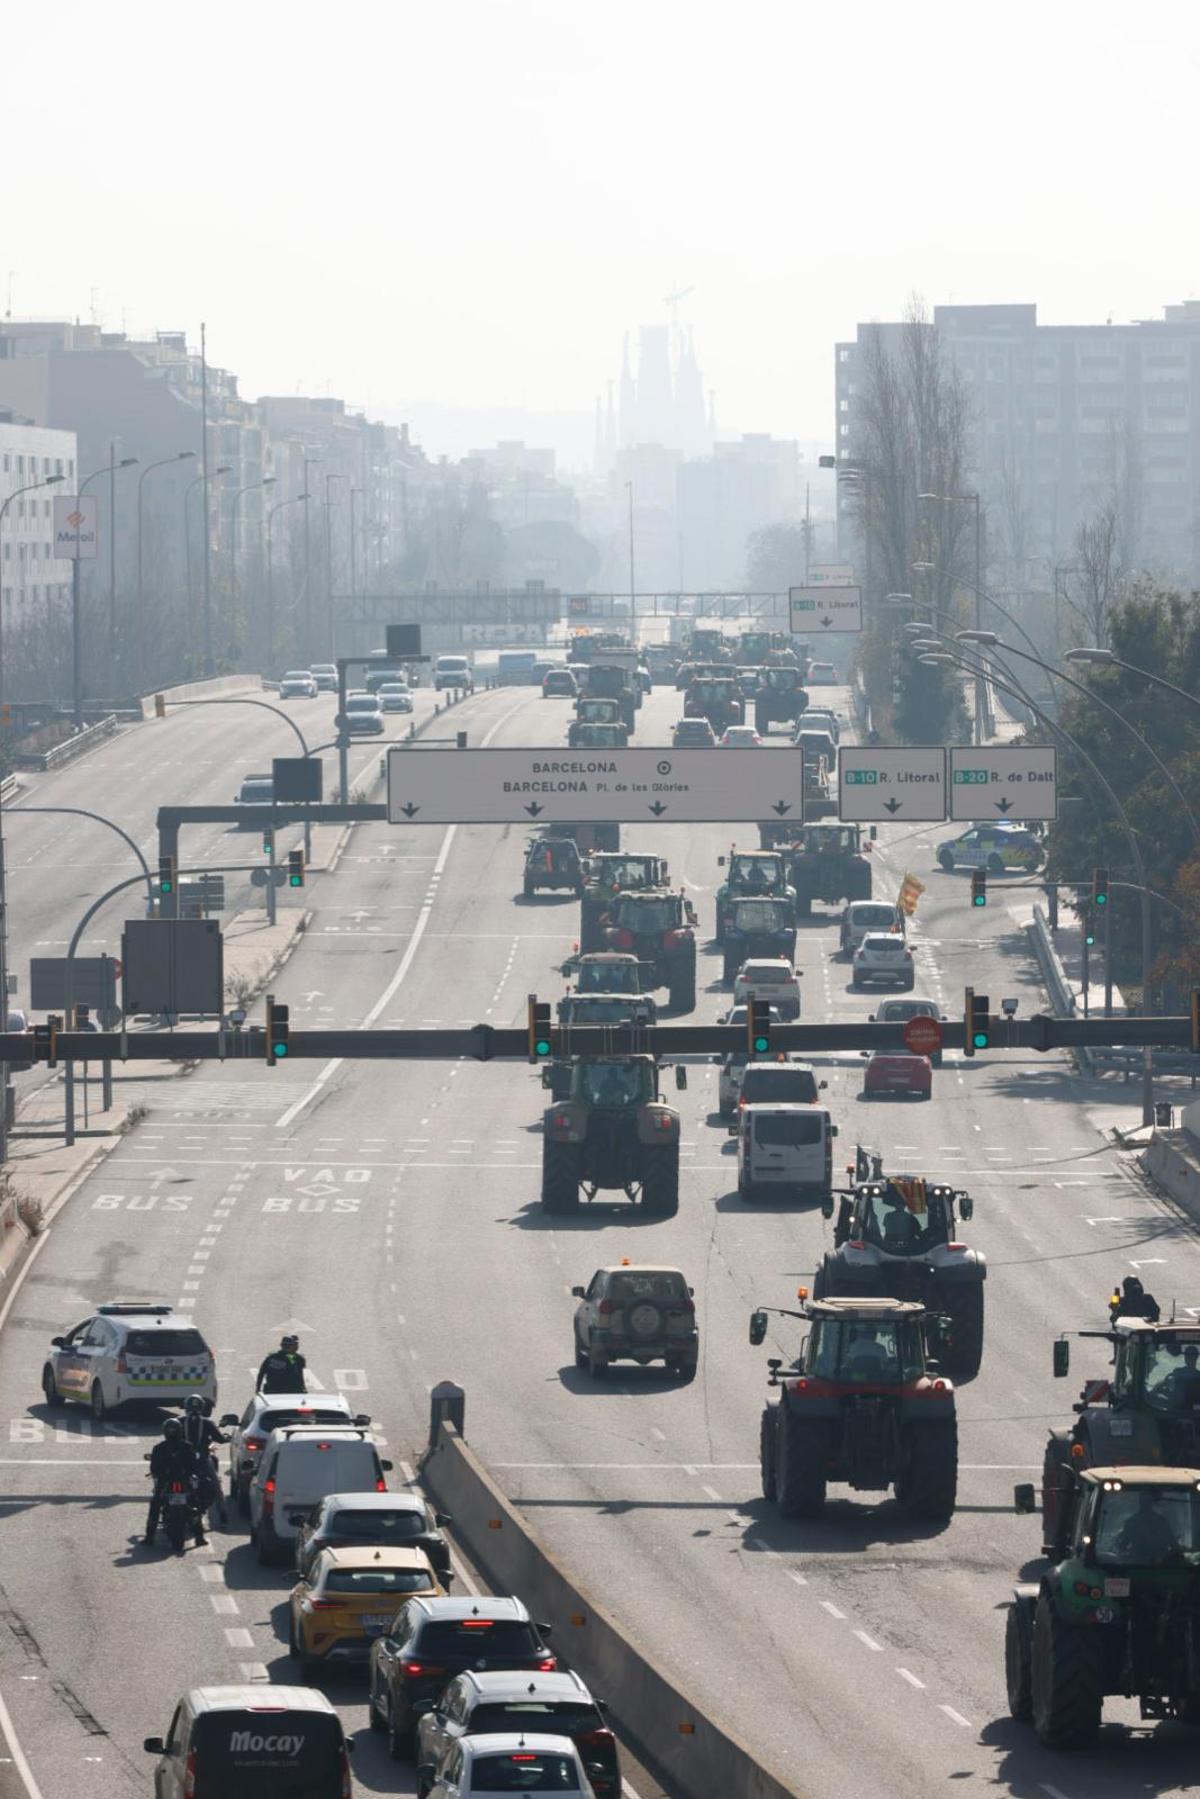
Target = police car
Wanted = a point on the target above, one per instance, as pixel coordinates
(129, 1351)
(994, 847)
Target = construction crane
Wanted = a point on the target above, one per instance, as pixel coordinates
(672, 300)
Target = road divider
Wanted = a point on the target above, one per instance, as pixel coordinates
(691, 1754)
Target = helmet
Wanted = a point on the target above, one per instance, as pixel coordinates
(194, 1402)
(172, 1429)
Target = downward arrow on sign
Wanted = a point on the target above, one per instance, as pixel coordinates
(827, 622)
(1004, 805)
(533, 809)
(892, 806)
(781, 806)
(410, 811)
(658, 808)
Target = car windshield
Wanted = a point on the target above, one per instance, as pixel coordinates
(759, 915)
(1147, 1525)
(899, 1011)
(782, 1085)
(362, 702)
(903, 1217)
(1173, 1374)
(748, 872)
(382, 1527)
(257, 792)
(768, 974)
(377, 1580)
(659, 1284)
(882, 1351)
(278, 1420)
(882, 944)
(297, 674)
(613, 1083)
(521, 1771)
(608, 977)
(644, 916)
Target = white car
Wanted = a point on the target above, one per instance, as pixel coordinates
(741, 737)
(883, 956)
(326, 676)
(394, 696)
(298, 684)
(364, 715)
(510, 1761)
(769, 978)
(862, 916)
(270, 1411)
(822, 674)
(129, 1351)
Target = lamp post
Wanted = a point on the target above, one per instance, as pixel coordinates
(30, 487)
(331, 475)
(271, 511)
(198, 481)
(309, 462)
(113, 466)
(108, 468)
(1106, 659)
(355, 493)
(163, 462)
(971, 499)
(234, 596)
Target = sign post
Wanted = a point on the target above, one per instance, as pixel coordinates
(1018, 782)
(623, 786)
(825, 609)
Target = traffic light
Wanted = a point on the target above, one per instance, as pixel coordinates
(83, 1017)
(540, 1045)
(160, 706)
(295, 868)
(979, 887)
(268, 842)
(758, 1027)
(977, 1022)
(166, 876)
(45, 1042)
(1196, 1020)
(1100, 887)
(1089, 928)
(277, 1031)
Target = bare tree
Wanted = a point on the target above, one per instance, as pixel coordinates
(1098, 569)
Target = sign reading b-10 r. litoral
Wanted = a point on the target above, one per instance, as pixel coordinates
(551, 786)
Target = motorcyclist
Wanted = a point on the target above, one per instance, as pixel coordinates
(283, 1370)
(170, 1460)
(201, 1434)
(1131, 1300)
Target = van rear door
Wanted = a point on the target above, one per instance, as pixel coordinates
(268, 1752)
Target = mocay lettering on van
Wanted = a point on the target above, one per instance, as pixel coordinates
(246, 1742)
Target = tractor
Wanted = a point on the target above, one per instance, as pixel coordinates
(609, 681)
(760, 928)
(607, 876)
(828, 864)
(896, 1234)
(1148, 1411)
(609, 1010)
(612, 1132)
(753, 874)
(779, 698)
(718, 699)
(659, 929)
(863, 1405)
(1116, 1612)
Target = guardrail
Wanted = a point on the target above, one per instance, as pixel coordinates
(1054, 976)
(43, 761)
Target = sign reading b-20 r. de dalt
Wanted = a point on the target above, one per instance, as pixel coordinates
(1013, 781)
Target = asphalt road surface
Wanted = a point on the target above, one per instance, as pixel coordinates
(389, 1214)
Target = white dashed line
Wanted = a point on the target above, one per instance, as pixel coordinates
(911, 1679)
(955, 1717)
(827, 1606)
(869, 1642)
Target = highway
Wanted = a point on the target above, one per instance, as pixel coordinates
(390, 1216)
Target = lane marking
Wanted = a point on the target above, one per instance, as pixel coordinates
(827, 1606)
(911, 1679)
(955, 1717)
(869, 1641)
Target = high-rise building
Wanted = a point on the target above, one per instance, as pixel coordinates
(663, 402)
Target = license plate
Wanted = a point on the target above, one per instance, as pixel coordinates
(177, 1499)
(1116, 1587)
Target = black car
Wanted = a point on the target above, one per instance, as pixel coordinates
(693, 734)
(553, 862)
(385, 1520)
(432, 1640)
(559, 681)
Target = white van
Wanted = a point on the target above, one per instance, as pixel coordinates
(300, 1466)
(786, 1149)
(451, 671)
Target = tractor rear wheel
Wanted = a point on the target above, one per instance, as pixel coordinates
(762, 718)
(1058, 1481)
(799, 1465)
(965, 1350)
(1067, 1679)
(682, 985)
(560, 1178)
(928, 1487)
(660, 1180)
(1018, 1667)
(767, 1439)
(803, 905)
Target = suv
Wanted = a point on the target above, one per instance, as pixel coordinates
(480, 1703)
(862, 1405)
(131, 1350)
(774, 980)
(693, 734)
(431, 1641)
(883, 956)
(272, 1411)
(377, 1520)
(612, 1131)
(559, 683)
(252, 1739)
(1115, 1612)
(299, 1466)
(994, 847)
(552, 862)
(897, 1234)
(637, 1314)
(867, 915)
(351, 1596)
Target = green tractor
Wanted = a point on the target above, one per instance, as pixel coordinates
(612, 1132)
(1148, 1411)
(751, 874)
(1116, 1612)
(828, 864)
(780, 697)
(862, 1404)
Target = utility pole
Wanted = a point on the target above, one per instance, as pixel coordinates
(632, 584)
(807, 532)
(5, 1098)
(208, 661)
(112, 551)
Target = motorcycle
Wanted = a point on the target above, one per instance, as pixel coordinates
(179, 1511)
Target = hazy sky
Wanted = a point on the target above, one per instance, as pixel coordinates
(467, 201)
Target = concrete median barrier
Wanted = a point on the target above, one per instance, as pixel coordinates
(219, 687)
(694, 1757)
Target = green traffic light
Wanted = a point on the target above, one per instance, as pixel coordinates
(1101, 899)
(295, 881)
(541, 1047)
(761, 1046)
(279, 1049)
(980, 1039)
(980, 899)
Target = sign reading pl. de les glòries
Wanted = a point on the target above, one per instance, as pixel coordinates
(621, 786)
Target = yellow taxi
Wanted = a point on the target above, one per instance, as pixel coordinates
(351, 1596)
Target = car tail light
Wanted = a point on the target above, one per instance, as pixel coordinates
(121, 1365)
(606, 1308)
(856, 1243)
(547, 1665)
(420, 1670)
(380, 1485)
(268, 1498)
(252, 1445)
(177, 1486)
(189, 1776)
(956, 1246)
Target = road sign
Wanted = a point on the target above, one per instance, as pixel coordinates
(823, 609)
(76, 527)
(173, 965)
(404, 643)
(1017, 782)
(93, 983)
(879, 782)
(548, 786)
(922, 1035)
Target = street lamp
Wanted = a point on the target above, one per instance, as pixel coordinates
(1105, 659)
(187, 525)
(271, 511)
(250, 487)
(111, 469)
(306, 496)
(30, 487)
(331, 475)
(108, 468)
(163, 462)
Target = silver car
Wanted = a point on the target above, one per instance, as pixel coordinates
(298, 684)
(394, 696)
(883, 956)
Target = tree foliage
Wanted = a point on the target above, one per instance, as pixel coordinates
(775, 557)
